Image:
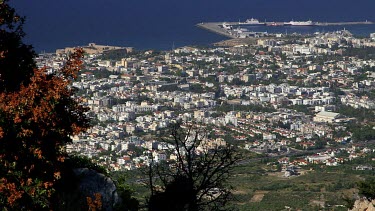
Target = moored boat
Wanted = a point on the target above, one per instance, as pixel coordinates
(300, 23)
(252, 21)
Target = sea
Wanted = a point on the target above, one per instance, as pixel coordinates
(167, 24)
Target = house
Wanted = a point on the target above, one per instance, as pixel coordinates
(363, 168)
(331, 162)
(318, 158)
(284, 160)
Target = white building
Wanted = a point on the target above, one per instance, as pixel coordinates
(326, 116)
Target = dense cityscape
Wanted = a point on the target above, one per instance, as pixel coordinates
(281, 95)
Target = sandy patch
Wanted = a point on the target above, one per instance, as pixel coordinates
(317, 203)
(239, 192)
(258, 196)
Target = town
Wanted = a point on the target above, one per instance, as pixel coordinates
(281, 95)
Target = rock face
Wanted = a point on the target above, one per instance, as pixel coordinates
(364, 205)
(91, 182)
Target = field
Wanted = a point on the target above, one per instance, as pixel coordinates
(262, 186)
(259, 187)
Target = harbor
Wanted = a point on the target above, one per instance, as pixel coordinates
(239, 29)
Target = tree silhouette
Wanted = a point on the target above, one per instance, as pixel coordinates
(38, 114)
(16, 58)
(197, 179)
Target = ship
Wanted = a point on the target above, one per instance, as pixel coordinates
(252, 21)
(300, 23)
(275, 24)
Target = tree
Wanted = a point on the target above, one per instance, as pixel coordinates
(367, 188)
(16, 58)
(38, 114)
(129, 203)
(197, 179)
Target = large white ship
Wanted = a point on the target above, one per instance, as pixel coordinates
(252, 21)
(300, 23)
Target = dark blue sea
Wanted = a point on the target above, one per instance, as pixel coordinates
(158, 24)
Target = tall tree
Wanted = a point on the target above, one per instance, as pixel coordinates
(17, 59)
(38, 114)
(197, 179)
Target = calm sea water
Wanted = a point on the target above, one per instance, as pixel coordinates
(158, 24)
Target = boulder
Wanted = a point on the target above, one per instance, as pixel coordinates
(92, 182)
(363, 205)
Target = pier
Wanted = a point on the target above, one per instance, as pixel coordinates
(217, 27)
(344, 23)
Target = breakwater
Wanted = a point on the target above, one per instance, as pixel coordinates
(216, 28)
(226, 28)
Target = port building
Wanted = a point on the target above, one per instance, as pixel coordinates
(93, 48)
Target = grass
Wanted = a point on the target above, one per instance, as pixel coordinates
(315, 188)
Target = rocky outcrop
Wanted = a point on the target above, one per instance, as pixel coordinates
(92, 182)
(364, 205)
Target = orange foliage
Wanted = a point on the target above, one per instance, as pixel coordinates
(96, 204)
(11, 189)
(35, 122)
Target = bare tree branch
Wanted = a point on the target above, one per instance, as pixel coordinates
(196, 180)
